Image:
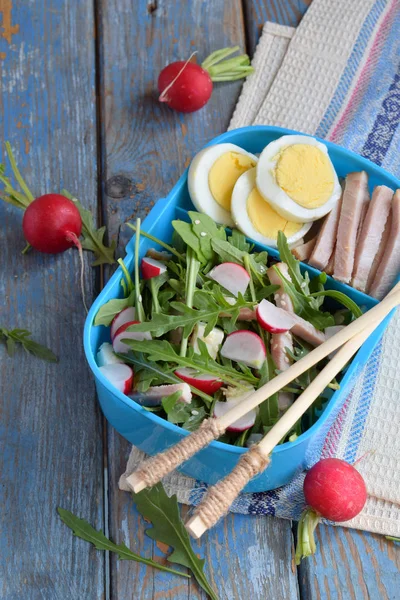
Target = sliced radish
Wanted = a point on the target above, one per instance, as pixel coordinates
(212, 341)
(125, 316)
(121, 376)
(155, 394)
(246, 347)
(152, 267)
(205, 383)
(106, 356)
(274, 319)
(231, 276)
(122, 333)
(221, 408)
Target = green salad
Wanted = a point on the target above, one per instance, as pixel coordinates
(207, 319)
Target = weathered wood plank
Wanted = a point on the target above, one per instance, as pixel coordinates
(351, 564)
(145, 148)
(50, 431)
(284, 12)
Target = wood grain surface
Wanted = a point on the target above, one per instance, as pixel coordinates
(79, 105)
(50, 425)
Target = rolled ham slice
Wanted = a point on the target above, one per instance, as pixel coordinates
(303, 329)
(279, 343)
(390, 264)
(370, 238)
(303, 252)
(354, 197)
(326, 239)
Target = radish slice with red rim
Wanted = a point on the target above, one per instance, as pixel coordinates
(127, 315)
(106, 356)
(274, 319)
(152, 267)
(205, 383)
(246, 347)
(245, 422)
(120, 375)
(231, 276)
(122, 333)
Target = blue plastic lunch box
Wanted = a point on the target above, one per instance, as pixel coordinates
(151, 433)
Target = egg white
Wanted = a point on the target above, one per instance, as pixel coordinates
(199, 188)
(276, 196)
(242, 190)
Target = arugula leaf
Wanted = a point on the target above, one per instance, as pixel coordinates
(161, 350)
(238, 240)
(269, 410)
(86, 532)
(186, 232)
(12, 337)
(302, 307)
(155, 283)
(227, 252)
(206, 309)
(169, 402)
(107, 311)
(342, 298)
(206, 230)
(293, 265)
(163, 512)
(92, 237)
(149, 373)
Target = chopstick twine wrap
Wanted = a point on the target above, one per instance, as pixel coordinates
(336, 76)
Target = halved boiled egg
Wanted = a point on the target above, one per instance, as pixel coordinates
(212, 176)
(256, 218)
(296, 176)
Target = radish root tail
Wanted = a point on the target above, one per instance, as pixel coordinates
(163, 96)
(72, 237)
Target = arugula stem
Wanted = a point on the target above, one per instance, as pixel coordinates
(193, 266)
(17, 174)
(139, 306)
(129, 283)
(159, 242)
(154, 296)
(246, 260)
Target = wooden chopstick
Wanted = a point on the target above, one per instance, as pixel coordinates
(220, 497)
(155, 468)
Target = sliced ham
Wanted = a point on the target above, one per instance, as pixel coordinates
(354, 197)
(331, 264)
(371, 235)
(285, 401)
(282, 300)
(303, 329)
(303, 252)
(307, 332)
(390, 264)
(279, 343)
(381, 251)
(326, 239)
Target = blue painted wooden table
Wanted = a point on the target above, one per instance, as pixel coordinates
(77, 103)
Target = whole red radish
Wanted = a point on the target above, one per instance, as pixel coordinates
(334, 490)
(187, 87)
(52, 224)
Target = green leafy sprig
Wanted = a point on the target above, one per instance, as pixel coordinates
(86, 532)
(14, 337)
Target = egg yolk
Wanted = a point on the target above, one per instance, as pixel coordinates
(224, 173)
(265, 220)
(305, 173)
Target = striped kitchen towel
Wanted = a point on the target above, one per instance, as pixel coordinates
(336, 76)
